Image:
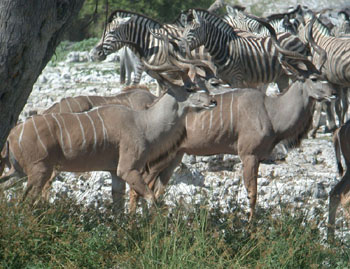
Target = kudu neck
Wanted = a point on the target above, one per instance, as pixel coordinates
(163, 117)
(290, 112)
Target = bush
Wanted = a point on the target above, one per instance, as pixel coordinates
(90, 22)
(65, 47)
(64, 234)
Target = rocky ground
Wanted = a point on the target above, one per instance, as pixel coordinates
(302, 181)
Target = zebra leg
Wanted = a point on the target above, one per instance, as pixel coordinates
(122, 66)
(339, 106)
(330, 116)
(138, 70)
(344, 105)
(317, 119)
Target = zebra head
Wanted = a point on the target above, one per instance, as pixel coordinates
(195, 31)
(114, 31)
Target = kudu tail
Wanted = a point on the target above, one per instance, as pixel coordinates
(336, 144)
(4, 157)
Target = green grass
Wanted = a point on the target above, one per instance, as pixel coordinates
(65, 47)
(65, 235)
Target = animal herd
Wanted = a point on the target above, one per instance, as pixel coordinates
(141, 138)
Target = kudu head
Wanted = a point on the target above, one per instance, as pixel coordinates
(115, 30)
(193, 95)
(319, 89)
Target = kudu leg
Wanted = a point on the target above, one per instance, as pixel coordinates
(37, 178)
(135, 181)
(164, 176)
(46, 189)
(157, 181)
(339, 194)
(118, 193)
(250, 175)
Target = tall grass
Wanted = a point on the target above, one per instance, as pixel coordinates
(66, 235)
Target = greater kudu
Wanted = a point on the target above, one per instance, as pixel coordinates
(249, 124)
(136, 97)
(107, 138)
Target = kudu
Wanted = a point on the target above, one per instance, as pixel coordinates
(249, 124)
(107, 138)
(136, 97)
(340, 192)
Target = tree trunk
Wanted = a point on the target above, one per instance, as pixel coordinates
(29, 34)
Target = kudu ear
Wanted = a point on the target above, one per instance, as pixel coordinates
(188, 82)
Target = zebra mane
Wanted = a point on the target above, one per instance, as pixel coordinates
(276, 17)
(125, 13)
(212, 19)
(323, 28)
(279, 16)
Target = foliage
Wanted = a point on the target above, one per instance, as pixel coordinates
(90, 22)
(65, 47)
(65, 235)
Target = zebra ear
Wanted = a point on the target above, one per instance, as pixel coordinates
(342, 16)
(126, 20)
(197, 18)
(183, 19)
(231, 11)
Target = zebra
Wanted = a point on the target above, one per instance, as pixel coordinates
(243, 62)
(329, 53)
(280, 22)
(130, 63)
(137, 31)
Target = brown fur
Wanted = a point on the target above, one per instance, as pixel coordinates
(249, 124)
(108, 138)
(340, 194)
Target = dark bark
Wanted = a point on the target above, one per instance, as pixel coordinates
(29, 34)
